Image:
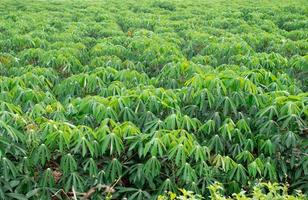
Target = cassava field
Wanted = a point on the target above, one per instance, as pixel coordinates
(153, 99)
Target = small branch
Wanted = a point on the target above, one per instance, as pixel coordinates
(74, 193)
(108, 189)
(116, 182)
(88, 194)
(61, 190)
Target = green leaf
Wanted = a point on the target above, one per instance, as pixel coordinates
(68, 164)
(47, 180)
(112, 142)
(17, 196)
(155, 146)
(179, 154)
(216, 144)
(114, 169)
(32, 193)
(238, 173)
(187, 173)
(152, 167)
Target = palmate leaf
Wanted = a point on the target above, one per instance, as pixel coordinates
(243, 126)
(145, 117)
(6, 186)
(99, 107)
(83, 145)
(135, 193)
(29, 97)
(109, 122)
(127, 114)
(228, 106)
(192, 109)
(216, 83)
(204, 98)
(292, 121)
(247, 85)
(255, 101)
(57, 135)
(216, 144)
(181, 136)
(102, 131)
(4, 143)
(59, 138)
(200, 153)
(270, 112)
(193, 187)
(137, 143)
(12, 118)
(168, 137)
(255, 167)
(90, 166)
(217, 118)
(154, 125)
(227, 129)
(152, 167)
(11, 132)
(42, 154)
(172, 121)
(112, 142)
(154, 146)
(190, 124)
(110, 113)
(290, 139)
(239, 137)
(268, 127)
(114, 170)
(236, 149)
(204, 170)
(178, 153)
(245, 157)
(268, 147)
(25, 165)
(137, 174)
(187, 173)
(223, 162)
(98, 112)
(124, 101)
(73, 180)
(47, 179)
(5, 106)
(167, 185)
(33, 192)
(153, 103)
(9, 169)
(238, 99)
(290, 108)
(127, 129)
(101, 176)
(269, 171)
(68, 164)
(249, 145)
(208, 127)
(238, 173)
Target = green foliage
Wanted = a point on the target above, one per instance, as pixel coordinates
(115, 99)
(264, 191)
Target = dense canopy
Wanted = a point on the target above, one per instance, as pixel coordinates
(135, 98)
